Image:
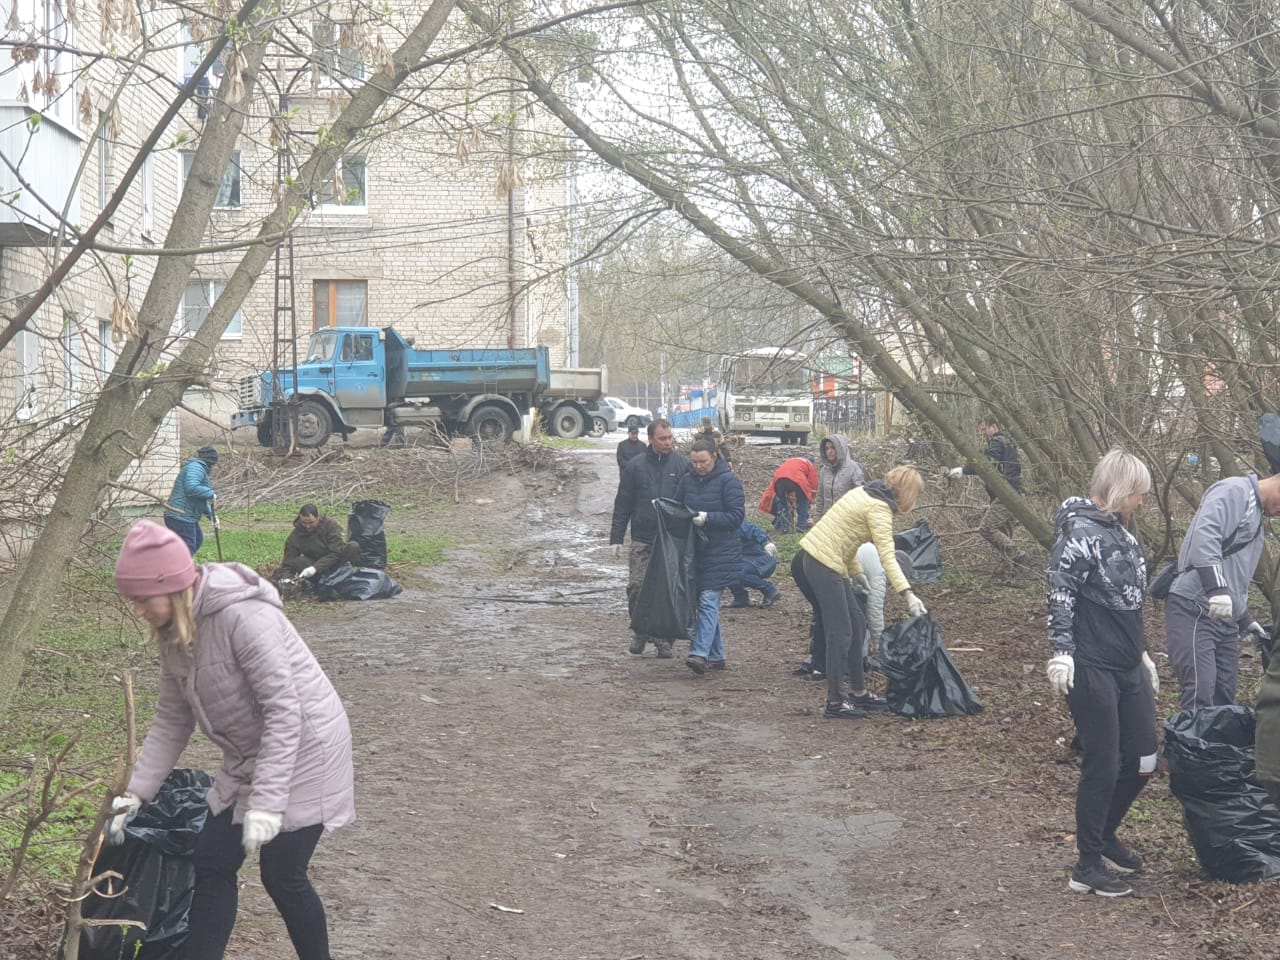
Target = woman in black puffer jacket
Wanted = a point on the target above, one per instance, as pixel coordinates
(714, 494)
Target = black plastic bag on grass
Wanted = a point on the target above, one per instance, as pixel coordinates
(1232, 823)
(155, 861)
(667, 605)
(345, 582)
(923, 679)
(921, 545)
(365, 522)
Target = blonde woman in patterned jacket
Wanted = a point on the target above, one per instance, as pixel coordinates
(232, 664)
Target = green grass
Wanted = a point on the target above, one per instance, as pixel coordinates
(565, 443)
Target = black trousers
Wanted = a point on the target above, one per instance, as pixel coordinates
(817, 642)
(283, 861)
(1114, 712)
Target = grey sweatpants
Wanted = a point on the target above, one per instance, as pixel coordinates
(1204, 654)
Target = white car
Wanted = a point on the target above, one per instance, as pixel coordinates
(629, 415)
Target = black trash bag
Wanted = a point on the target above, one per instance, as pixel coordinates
(1233, 825)
(345, 582)
(365, 520)
(667, 605)
(921, 544)
(155, 860)
(923, 679)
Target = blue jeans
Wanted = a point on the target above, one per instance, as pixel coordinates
(190, 533)
(783, 491)
(753, 580)
(707, 641)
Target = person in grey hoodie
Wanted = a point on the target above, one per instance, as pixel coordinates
(1208, 604)
(838, 473)
(233, 665)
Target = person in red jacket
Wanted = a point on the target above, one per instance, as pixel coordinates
(792, 489)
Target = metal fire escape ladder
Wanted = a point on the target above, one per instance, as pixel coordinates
(284, 337)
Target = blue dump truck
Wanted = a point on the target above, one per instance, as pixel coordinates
(354, 377)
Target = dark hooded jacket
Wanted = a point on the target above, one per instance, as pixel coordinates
(323, 547)
(1097, 583)
(628, 450)
(838, 478)
(1003, 452)
(644, 479)
(719, 494)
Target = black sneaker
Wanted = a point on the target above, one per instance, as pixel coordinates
(1120, 858)
(771, 599)
(697, 664)
(1096, 878)
(870, 702)
(843, 710)
(637, 645)
(663, 647)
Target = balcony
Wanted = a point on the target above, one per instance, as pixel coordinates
(46, 161)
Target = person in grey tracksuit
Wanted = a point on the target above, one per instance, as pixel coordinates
(1208, 604)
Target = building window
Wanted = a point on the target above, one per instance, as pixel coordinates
(192, 52)
(229, 190)
(106, 355)
(105, 152)
(348, 182)
(72, 360)
(337, 57)
(340, 303)
(147, 178)
(197, 300)
(27, 345)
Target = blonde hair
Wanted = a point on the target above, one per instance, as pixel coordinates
(906, 484)
(1117, 476)
(181, 628)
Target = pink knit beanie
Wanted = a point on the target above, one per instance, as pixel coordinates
(153, 561)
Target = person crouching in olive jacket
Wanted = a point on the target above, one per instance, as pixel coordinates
(232, 664)
(715, 495)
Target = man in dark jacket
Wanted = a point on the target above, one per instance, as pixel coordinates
(316, 545)
(630, 447)
(719, 506)
(996, 521)
(654, 474)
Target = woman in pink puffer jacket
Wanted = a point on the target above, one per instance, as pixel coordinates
(232, 664)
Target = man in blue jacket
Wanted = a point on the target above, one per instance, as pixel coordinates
(192, 498)
(714, 495)
(759, 561)
(655, 473)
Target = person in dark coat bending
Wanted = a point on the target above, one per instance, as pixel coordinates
(316, 545)
(715, 495)
(631, 447)
(655, 474)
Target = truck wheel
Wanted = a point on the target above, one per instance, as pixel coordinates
(492, 424)
(314, 424)
(599, 427)
(567, 421)
(264, 432)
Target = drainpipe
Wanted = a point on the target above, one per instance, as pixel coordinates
(511, 239)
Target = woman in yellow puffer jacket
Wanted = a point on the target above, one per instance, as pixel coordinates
(833, 574)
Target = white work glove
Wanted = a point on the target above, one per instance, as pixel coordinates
(699, 518)
(862, 585)
(1151, 669)
(309, 572)
(617, 551)
(955, 473)
(915, 606)
(126, 807)
(217, 524)
(771, 549)
(259, 827)
(1062, 673)
(1220, 607)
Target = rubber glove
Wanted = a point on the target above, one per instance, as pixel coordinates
(1062, 673)
(955, 473)
(1151, 669)
(915, 606)
(260, 826)
(771, 549)
(699, 518)
(308, 572)
(126, 807)
(862, 585)
(1220, 607)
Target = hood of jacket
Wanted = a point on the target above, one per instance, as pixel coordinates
(1083, 507)
(222, 584)
(842, 452)
(880, 490)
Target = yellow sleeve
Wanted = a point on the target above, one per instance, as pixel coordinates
(880, 520)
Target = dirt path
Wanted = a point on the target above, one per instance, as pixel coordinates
(510, 751)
